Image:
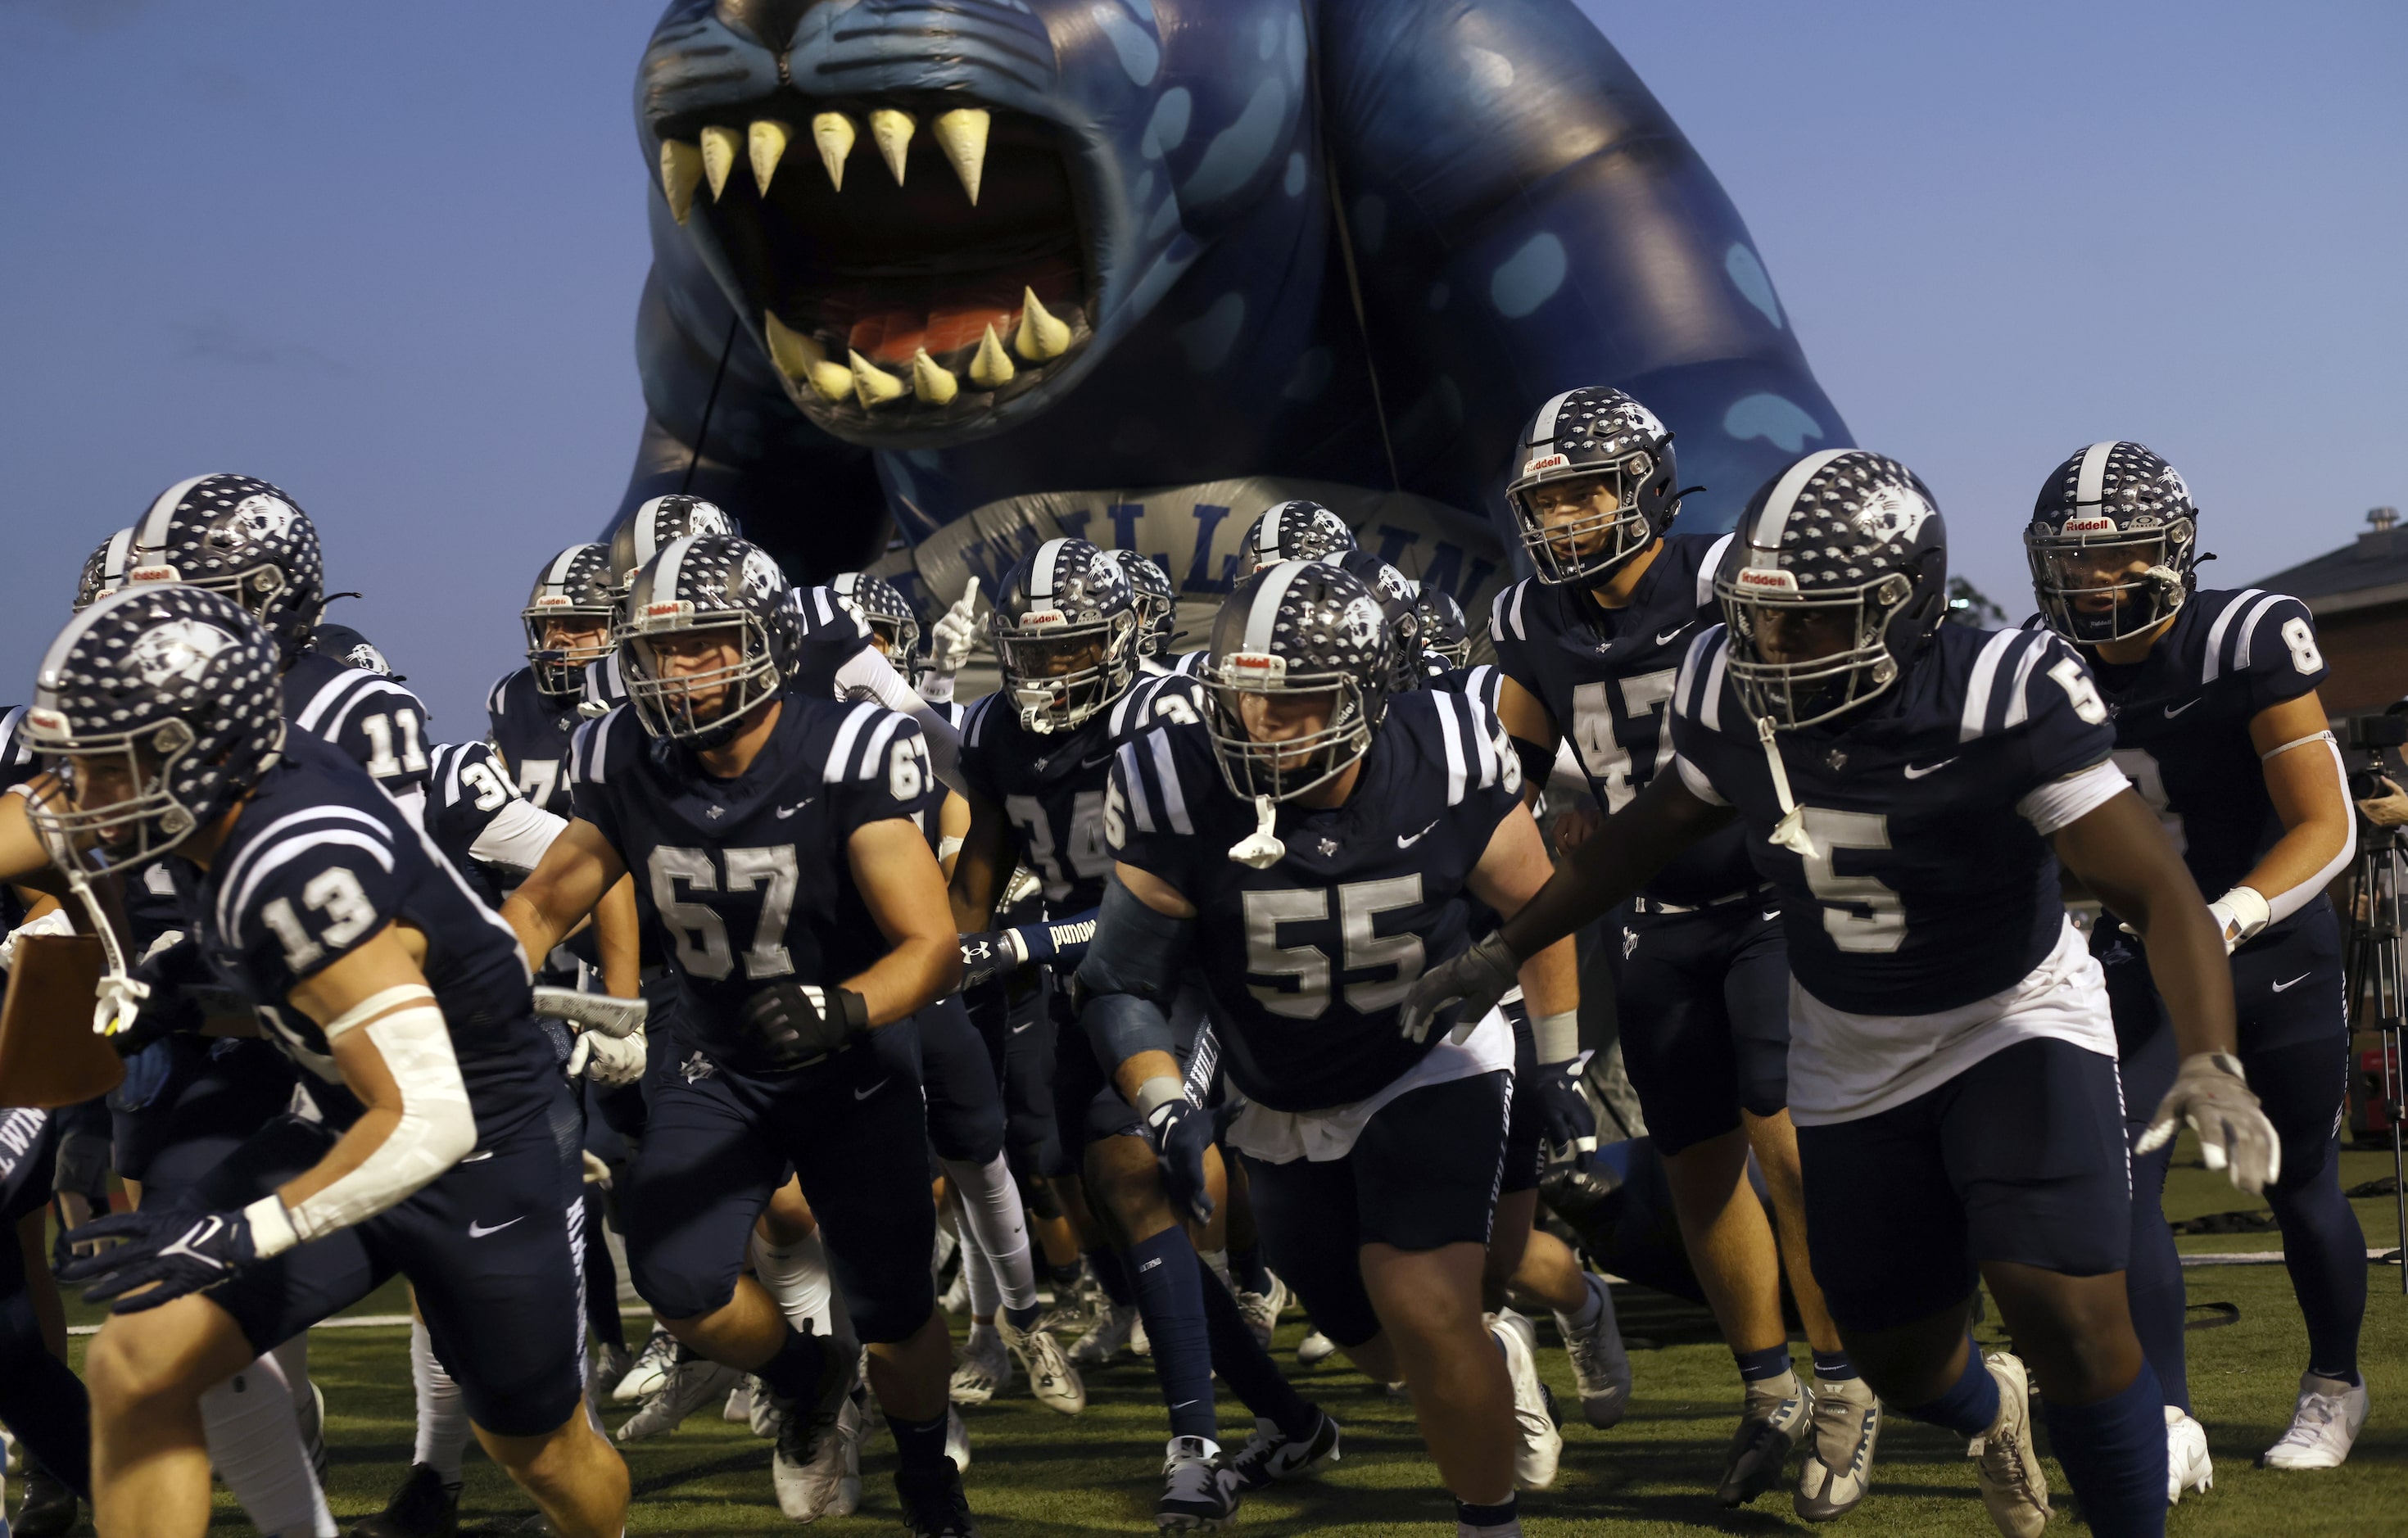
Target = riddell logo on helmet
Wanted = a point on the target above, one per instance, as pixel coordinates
(552, 600)
(2090, 526)
(1765, 580)
(161, 573)
(1044, 619)
(1546, 462)
(49, 723)
(667, 609)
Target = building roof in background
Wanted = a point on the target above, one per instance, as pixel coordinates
(2369, 573)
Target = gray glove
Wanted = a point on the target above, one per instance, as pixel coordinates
(1472, 982)
(2213, 1094)
(596, 1012)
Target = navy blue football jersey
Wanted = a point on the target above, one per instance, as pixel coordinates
(1478, 682)
(28, 1159)
(468, 789)
(1306, 962)
(378, 724)
(747, 878)
(1927, 888)
(832, 636)
(1605, 677)
(2182, 717)
(17, 765)
(530, 730)
(605, 688)
(320, 862)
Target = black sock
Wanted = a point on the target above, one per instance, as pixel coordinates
(1497, 1516)
(1758, 1366)
(1247, 1266)
(1064, 1278)
(1834, 1366)
(1170, 1299)
(1238, 1356)
(2115, 1455)
(919, 1444)
(1113, 1276)
(794, 1374)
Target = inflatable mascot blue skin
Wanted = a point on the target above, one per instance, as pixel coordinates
(910, 257)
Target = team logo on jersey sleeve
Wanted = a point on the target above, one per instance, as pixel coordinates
(179, 649)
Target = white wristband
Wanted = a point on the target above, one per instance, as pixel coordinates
(1157, 1092)
(271, 1227)
(2250, 911)
(1556, 1036)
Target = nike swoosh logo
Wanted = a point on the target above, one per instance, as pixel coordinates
(865, 1094)
(1668, 635)
(786, 812)
(2173, 711)
(1772, 913)
(1403, 843)
(2293, 982)
(478, 1157)
(477, 1230)
(1917, 772)
(1097, 762)
(1017, 1029)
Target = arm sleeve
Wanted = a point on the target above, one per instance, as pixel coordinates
(517, 835)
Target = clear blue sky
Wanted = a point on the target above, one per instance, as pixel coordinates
(388, 257)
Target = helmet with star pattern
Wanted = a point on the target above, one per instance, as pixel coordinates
(706, 637)
(1446, 634)
(884, 612)
(1065, 628)
(1295, 642)
(2114, 542)
(1591, 485)
(1298, 530)
(572, 596)
(238, 536)
(1157, 606)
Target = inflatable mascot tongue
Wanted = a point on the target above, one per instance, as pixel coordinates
(980, 272)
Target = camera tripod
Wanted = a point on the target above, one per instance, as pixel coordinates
(2377, 985)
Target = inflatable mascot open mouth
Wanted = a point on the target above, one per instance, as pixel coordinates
(913, 257)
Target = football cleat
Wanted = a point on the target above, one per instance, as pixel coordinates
(1140, 1343)
(1051, 1377)
(1108, 1336)
(740, 1400)
(2187, 1465)
(1270, 1454)
(2014, 1488)
(934, 1505)
(1775, 1414)
(817, 1465)
(309, 1414)
(1263, 1309)
(958, 1439)
(642, 1378)
(420, 1508)
(610, 1364)
(984, 1370)
(49, 1509)
(1539, 1445)
(1600, 1367)
(955, 1298)
(2324, 1424)
(1076, 1311)
(690, 1385)
(1316, 1348)
(1838, 1468)
(1200, 1494)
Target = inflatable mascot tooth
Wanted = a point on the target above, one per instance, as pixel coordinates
(981, 271)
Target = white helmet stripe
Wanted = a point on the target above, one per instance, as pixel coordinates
(1270, 537)
(121, 547)
(665, 576)
(153, 529)
(558, 573)
(2091, 483)
(1044, 571)
(1766, 536)
(1543, 430)
(1263, 618)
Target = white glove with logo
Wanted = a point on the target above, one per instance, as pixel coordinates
(611, 1061)
(950, 638)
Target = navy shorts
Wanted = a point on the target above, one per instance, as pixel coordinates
(1014, 1020)
(493, 1249)
(1526, 1128)
(217, 1092)
(965, 1092)
(721, 1142)
(1423, 1175)
(1703, 1001)
(2021, 1159)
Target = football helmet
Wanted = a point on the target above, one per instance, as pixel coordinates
(341, 641)
(159, 705)
(1295, 530)
(1157, 606)
(883, 610)
(1446, 634)
(1065, 628)
(1398, 610)
(574, 588)
(706, 582)
(651, 527)
(1292, 635)
(2113, 544)
(104, 570)
(1833, 585)
(241, 537)
(1590, 439)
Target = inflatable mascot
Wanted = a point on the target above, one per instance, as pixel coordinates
(978, 271)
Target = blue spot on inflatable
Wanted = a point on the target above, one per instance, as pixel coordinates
(1238, 150)
(1776, 418)
(1754, 283)
(1293, 183)
(1140, 56)
(1529, 277)
(1168, 128)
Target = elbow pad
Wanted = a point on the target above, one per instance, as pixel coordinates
(436, 1132)
(1120, 1025)
(1136, 949)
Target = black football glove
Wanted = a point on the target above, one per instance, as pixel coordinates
(799, 1022)
(1181, 1131)
(1567, 1122)
(182, 1249)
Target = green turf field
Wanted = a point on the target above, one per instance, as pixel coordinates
(1035, 1472)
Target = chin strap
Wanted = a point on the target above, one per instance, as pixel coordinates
(1261, 849)
(1790, 832)
(121, 995)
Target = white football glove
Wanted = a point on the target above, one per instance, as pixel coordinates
(596, 1012)
(55, 922)
(611, 1061)
(2213, 1094)
(950, 638)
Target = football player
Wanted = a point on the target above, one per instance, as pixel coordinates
(1038, 755)
(2213, 700)
(1589, 648)
(320, 904)
(1158, 607)
(1952, 1067)
(1446, 634)
(1312, 840)
(782, 836)
(531, 710)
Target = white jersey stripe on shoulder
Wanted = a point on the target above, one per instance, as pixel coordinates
(1707, 567)
(2216, 632)
(599, 752)
(825, 604)
(1140, 808)
(1712, 717)
(1480, 684)
(974, 724)
(2249, 630)
(1979, 683)
(289, 850)
(2090, 481)
(324, 700)
(841, 751)
(268, 836)
(874, 755)
(151, 532)
(1451, 734)
(1485, 731)
(1521, 591)
(375, 686)
(497, 698)
(2019, 701)
(1174, 799)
